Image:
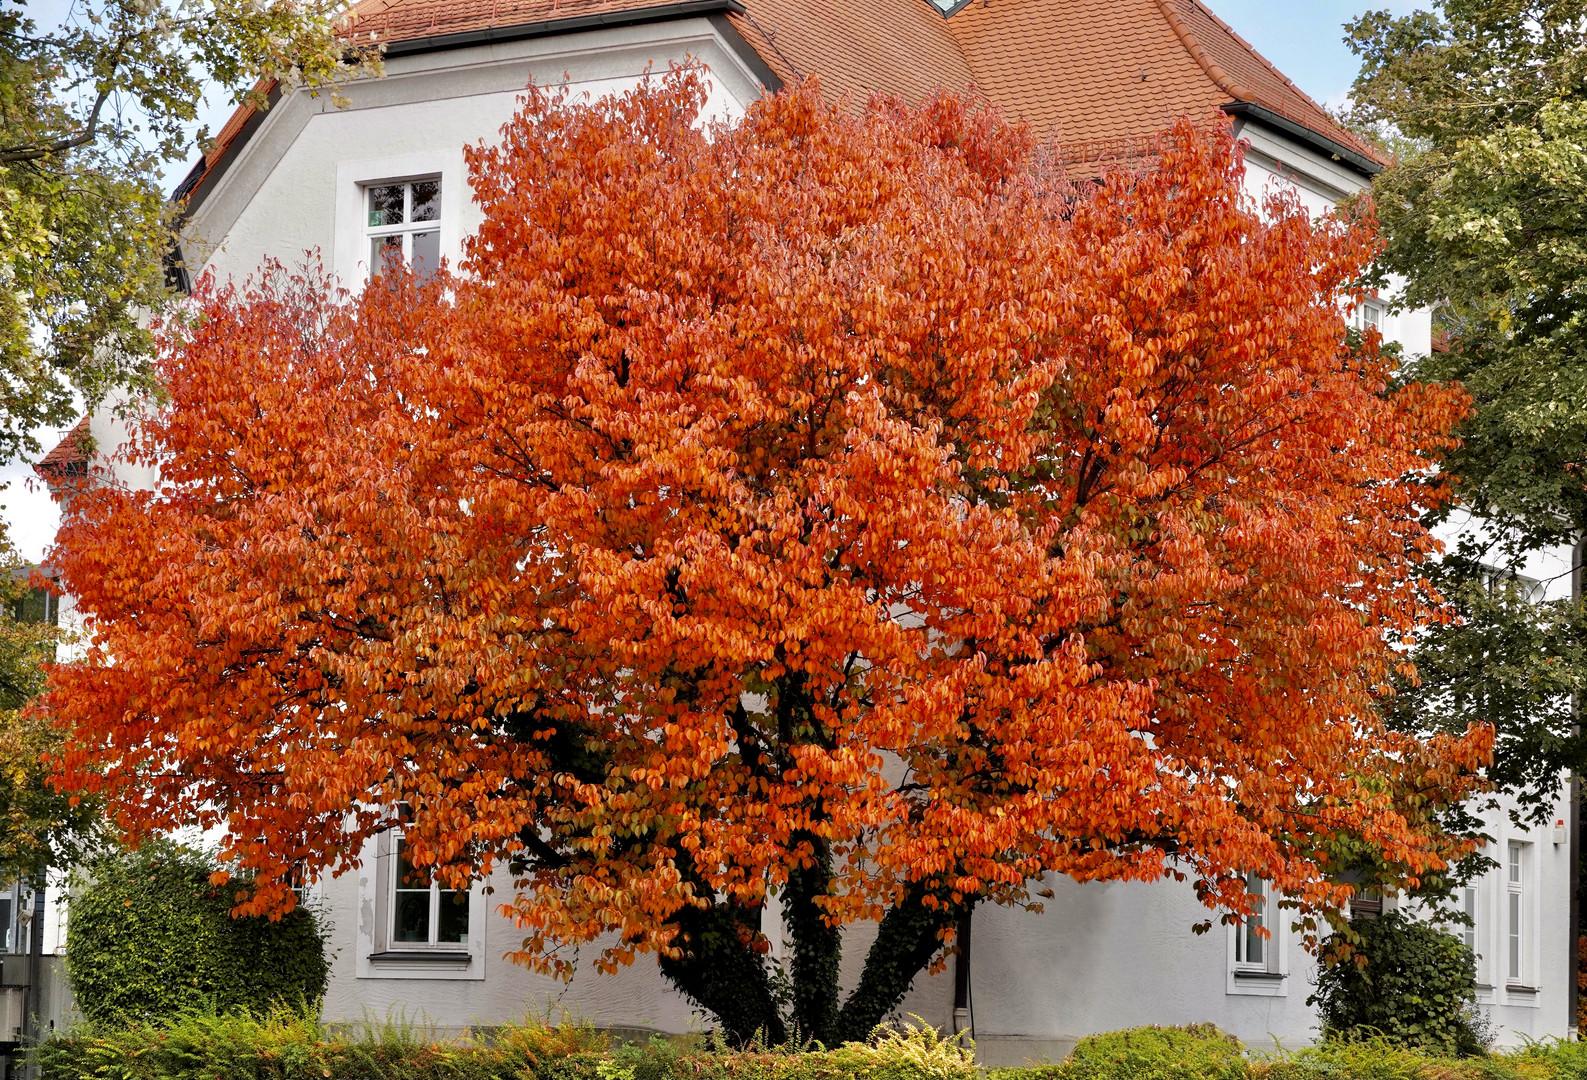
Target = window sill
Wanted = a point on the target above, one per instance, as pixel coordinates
(1518, 988)
(1260, 976)
(438, 957)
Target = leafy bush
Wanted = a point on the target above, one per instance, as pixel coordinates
(152, 938)
(917, 1053)
(1196, 1052)
(1409, 982)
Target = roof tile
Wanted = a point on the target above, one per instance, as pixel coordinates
(1098, 77)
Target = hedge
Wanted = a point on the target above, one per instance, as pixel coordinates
(286, 1046)
(152, 939)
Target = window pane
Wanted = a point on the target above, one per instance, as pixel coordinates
(383, 250)
(426, 200)
(1515, 862)
(1515, 936)
(1249, 946)
(1253, 941)
(411, 921)
(1468, 933)
(426, 254)
(35, 606)
(385, 205)
(453, 924)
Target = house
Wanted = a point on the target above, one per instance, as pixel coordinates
(1096, 77)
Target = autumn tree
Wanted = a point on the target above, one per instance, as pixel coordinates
(833, 505)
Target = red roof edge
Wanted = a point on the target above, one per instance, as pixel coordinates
(1240, 92)
(69, 458)
(1187, 37)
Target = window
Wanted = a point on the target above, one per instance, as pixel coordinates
(1257, 962)
(1515, 914)
(424, 915)
(1468, 905)
(403, 224)
(1496, 579)
(1368, 316)
(1254, 953)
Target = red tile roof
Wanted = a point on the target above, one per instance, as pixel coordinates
(69, 458)
(1099, 77)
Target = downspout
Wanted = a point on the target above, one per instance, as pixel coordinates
(963, 1016)
(1573, 817)
(31, 1019)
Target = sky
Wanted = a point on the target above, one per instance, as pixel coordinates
(1302, 38)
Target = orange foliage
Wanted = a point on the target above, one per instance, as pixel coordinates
(824, 485)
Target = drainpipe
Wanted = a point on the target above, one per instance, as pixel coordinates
(1573, 818)
(963, 1018)
(31, 1018)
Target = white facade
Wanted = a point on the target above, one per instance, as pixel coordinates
(1102, 956)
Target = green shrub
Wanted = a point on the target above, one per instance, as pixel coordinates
(1196, 1052)
(919, 1052)
(1417, 988)
(152, 938)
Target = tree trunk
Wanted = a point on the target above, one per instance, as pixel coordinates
(817, 948)
(724, 975)
(909, 936)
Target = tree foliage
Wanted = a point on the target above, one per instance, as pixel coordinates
(39, 825)
(834, 505)
(1486, 220)
(153, 938)
(90, 110)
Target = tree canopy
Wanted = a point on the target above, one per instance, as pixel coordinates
(1485, 219)
(90, 109)
(834, 505)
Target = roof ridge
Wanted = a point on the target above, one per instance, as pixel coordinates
(1198, 52)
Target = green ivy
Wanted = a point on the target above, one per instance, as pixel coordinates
(151, 939)
(1407, 981)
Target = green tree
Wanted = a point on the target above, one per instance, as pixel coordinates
(39, 826)
(90, 110)
(1485, 218)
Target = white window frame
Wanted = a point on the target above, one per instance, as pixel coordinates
(407, 229)
(379, 956)
(394, 886)
(1519, 922)
(1269, 976)
(1370, 312)
(1476, 899)
(350, 252)
(1495, 578)
(1470, 934)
